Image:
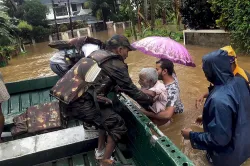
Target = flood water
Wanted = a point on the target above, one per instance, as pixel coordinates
(192, 84)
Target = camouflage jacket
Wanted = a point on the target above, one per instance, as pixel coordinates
(101, 72)
(115, 73)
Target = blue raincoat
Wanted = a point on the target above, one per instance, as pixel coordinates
(226, 114)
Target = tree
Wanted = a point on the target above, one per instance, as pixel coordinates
(152, 6)
(30, 13)
(35, 13)
(234, 17)
(8, 31)
(198, 15)
(166, 9)
(100, 8)
(25, 30)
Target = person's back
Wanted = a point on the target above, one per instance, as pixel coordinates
(70, 52)
(233, 143)
(226, 115)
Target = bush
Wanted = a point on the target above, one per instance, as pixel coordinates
(178, 36)
(235, 17)
(198, 15)
(25, 29)
(40, 33)
(78, 25)
(63, 27)
(128, 32)
(25, 25)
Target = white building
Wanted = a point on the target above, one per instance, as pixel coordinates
(77, 8)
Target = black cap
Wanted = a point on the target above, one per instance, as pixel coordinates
(119, 40)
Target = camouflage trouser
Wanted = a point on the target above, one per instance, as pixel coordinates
(106, 118)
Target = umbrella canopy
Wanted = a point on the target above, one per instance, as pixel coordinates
(164, 48)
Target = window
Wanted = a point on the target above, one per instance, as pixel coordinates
(74, 7)
(61, 10)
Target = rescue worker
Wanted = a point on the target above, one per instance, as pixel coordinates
(237, 71)
(92, 105)
(70, 52)
(226, 115)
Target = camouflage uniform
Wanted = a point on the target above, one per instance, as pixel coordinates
(114, 73)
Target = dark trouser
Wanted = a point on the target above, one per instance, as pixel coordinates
(56, 68)
(106, 118)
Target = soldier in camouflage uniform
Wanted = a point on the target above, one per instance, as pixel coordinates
(114, 73)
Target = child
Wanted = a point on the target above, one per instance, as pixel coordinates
(148, 79)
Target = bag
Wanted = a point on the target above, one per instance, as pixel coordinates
(20, 125)
(80, 77)
(44, 117)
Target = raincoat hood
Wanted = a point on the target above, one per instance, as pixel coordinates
(217, 67)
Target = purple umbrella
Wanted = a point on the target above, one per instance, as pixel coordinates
(165, 48)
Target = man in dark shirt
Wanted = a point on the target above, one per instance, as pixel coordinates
(114, 73)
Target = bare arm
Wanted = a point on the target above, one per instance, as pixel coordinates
(163, 115)
(149, 92)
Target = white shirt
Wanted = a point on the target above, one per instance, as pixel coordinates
(89, 48)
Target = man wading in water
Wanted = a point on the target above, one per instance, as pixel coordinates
(237, 71)
(226, 115)
(165, 69)
(93, 106)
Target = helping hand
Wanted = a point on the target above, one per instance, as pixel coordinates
(199, 102)
(185, 133)
(198, 121)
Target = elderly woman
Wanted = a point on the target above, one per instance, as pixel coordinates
(4, 96)
(148, 79)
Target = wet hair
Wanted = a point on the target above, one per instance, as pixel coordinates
(167, 64)
(150, 74)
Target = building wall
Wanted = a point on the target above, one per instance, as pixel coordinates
(50, 15)
(207, 39)
(79, 7)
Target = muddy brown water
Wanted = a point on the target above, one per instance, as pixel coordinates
(192, 84)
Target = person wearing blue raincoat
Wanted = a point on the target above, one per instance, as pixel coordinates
(226, 114)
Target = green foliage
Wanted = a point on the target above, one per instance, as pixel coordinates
(8, 31)
(40, 33)
(178, 36)
(25, 29)
(78, 25)
(164, 32)
(63, 27)
(128, 32)
(99, 14)
(198, 15)
(158, 23)
(35, 12)
(235, 17)
(5, 51)
(100, 8)
(24, 25)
